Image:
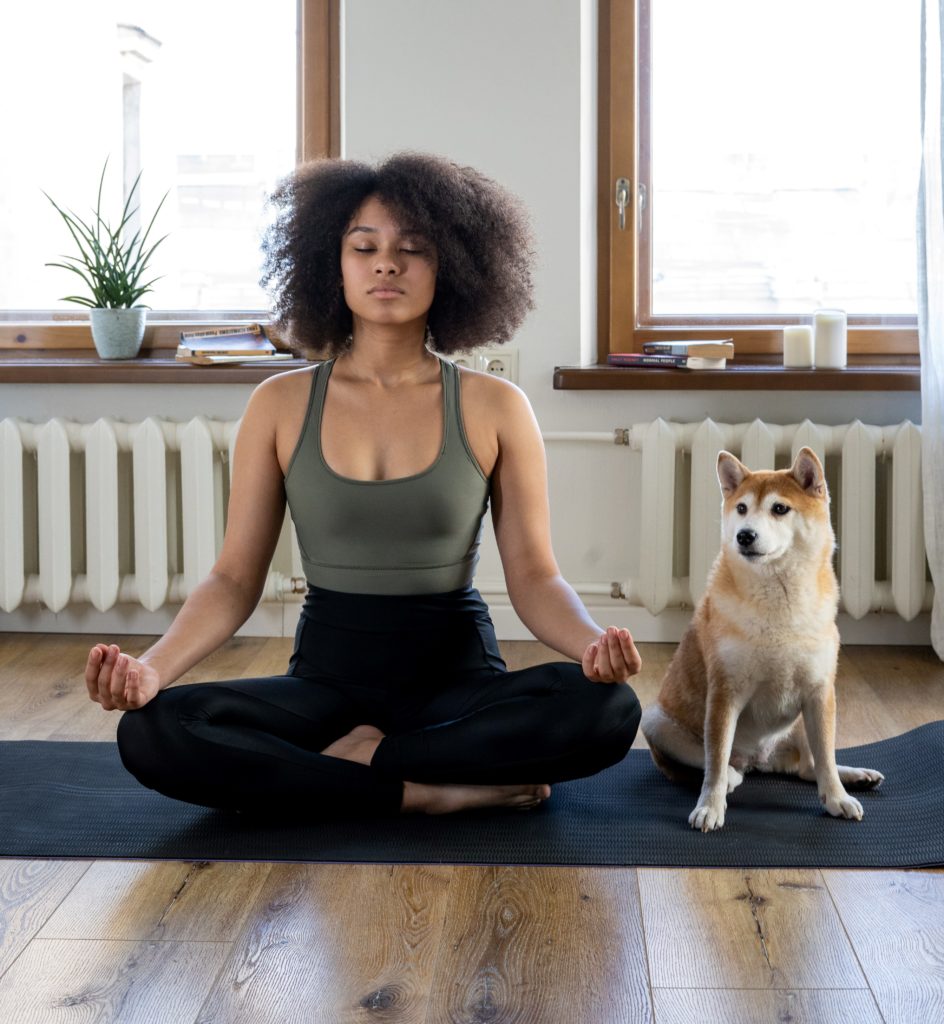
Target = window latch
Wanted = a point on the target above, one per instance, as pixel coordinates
(622, 200)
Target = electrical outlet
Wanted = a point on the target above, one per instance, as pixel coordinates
(499, 362)
(468, 361)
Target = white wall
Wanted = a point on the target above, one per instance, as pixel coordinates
(509, 87)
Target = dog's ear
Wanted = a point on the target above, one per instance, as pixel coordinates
(807, 470)
(731, 472)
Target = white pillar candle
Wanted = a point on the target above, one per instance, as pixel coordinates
(829, 333)
(798, 345)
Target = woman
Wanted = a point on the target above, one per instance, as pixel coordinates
(396, 697)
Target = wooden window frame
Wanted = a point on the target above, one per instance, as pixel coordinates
(623, 135)
(318, 133)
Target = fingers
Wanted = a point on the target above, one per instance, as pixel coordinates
(631, 656)
(92, 666)
(98, 673)
(604, 663)
(616, 657)
(134, 692)
(108, 681)
(589, 659)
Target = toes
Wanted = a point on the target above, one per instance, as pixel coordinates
(861, 778)
(706, 818)
(844, 807)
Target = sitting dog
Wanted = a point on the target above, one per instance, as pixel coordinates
(752, 684)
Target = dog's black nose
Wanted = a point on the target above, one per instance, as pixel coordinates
(746, 538)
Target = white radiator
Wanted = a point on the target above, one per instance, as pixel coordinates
(874, 476)
(110, 512)
(150, 524)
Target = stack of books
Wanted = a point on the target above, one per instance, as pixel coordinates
(247, 344)
(686, 355)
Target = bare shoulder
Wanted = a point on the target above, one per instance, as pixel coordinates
(276, 410)
(280, 398)
(282, 386)
(494, 399)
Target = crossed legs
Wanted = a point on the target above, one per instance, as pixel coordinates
(302, 747)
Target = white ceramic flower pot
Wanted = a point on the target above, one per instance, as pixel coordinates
(118, 333)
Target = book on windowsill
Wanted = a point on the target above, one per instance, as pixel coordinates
(719, 349)
(247, 344)
(645, 360)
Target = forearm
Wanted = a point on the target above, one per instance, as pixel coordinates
(215, 609)
(551, 609)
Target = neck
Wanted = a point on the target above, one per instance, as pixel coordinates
(389, 353)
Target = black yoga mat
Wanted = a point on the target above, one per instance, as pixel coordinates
(62, 800)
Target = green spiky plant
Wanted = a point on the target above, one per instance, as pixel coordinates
(112, 268)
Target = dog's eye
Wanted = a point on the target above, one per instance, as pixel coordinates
(741, 508)
(779, 509)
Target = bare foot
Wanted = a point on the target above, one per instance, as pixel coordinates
(431, 799)
(358, 745)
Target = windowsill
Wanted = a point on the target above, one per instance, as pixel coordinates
(751, 373)
(151, 366)
(759, 372)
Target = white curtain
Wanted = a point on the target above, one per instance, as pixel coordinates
(931, 302)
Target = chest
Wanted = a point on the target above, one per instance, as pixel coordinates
(382, 436)
(776, 675)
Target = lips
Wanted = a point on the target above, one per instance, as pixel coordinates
(385, 291)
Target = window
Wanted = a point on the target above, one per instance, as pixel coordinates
(771, 154)
(213, 105)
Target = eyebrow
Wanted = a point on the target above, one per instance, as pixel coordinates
(403, 234)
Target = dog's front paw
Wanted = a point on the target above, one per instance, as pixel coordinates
(860, 778)
(842, 806)
(707, 817)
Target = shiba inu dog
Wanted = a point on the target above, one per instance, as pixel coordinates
(752, 684)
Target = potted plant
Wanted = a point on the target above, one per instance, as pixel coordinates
(113, 268)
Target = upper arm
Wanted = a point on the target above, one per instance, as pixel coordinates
(520, 507)
(256, 507)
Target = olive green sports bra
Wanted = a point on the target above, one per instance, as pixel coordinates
(411, 535)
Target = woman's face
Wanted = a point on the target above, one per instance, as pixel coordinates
(388, 270)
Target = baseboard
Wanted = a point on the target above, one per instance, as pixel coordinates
(269, 619)
(668, 627)
(274, 619)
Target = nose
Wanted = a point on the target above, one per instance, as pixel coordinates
(386, 264)
(746, 538)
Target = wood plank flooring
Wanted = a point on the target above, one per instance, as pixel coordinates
(225, 943)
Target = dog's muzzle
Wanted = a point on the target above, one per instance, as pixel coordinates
(746, 539)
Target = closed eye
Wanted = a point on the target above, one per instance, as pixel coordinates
(779, 509)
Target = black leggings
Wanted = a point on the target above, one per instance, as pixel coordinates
(425, 670)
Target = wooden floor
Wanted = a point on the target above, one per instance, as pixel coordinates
(178, 943)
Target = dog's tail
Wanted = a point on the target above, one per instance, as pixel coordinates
(675, 771)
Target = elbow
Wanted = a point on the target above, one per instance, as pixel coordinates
(246, 594)
(522, 584)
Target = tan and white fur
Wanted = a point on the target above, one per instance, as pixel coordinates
(752, 684)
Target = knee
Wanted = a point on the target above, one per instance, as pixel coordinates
(142, 736)
(610, 711)
(622, 715)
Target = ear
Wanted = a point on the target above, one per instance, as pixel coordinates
(730, 473)
(807, 470)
